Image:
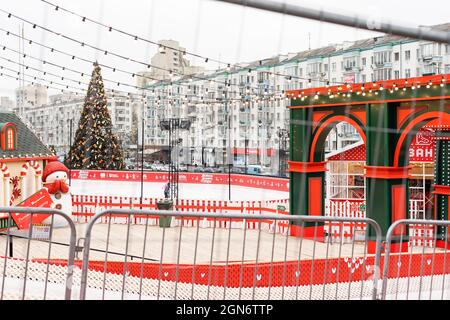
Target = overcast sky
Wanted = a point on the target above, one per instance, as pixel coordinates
(217, 30)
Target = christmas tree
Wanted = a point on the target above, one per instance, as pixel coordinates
(95, 146)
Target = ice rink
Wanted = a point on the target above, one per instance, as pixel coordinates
(186, 190)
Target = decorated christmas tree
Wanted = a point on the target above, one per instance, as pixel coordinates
(95, 146)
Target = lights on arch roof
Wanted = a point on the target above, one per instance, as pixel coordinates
(370, 89)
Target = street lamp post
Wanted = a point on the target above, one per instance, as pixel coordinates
(173, 125)
(283, 135)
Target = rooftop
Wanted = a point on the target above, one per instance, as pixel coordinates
(28, 145)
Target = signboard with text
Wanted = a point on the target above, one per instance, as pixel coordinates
(40, 199)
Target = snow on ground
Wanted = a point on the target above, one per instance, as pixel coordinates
(186, 190)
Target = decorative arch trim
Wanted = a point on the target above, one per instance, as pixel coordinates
(405, 112)
(432, 115)
(333, 119)
(33, 164)
(4, 169)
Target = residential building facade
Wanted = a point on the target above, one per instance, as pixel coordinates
(30, 96)
(56, 123)
(239, 113)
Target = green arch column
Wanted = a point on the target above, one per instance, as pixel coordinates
(306, 178)
(386, 185)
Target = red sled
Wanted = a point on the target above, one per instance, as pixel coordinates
(40, 199)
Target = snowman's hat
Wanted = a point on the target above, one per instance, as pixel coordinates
(52, 167)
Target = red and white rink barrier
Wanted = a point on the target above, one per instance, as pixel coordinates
(86, 206)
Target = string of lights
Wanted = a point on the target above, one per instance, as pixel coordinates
(369, 89)
(35, 78)
(50, 83)
(44, 72)
(32, 82)
(168, 85)
(83, 44)
(203, 57)
(106, 52)
(63, 78)
(114, 69)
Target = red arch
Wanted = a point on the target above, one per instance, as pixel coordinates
(423, 117)
(337, 119)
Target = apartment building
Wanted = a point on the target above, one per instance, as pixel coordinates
(55, 123)
(6, 104)
(30, 96)
(238, 114)
(169, 61)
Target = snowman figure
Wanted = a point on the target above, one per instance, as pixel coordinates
(54, 179)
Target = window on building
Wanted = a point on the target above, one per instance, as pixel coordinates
(396, 74)
(382, 74)
(364, 60)
(429, 69)
(427, 50)
(10, 137)
(447, 68)
(325, 67)
(408, 73)
(396, 56)
(418, 73)
(382, 57)
(349, 63)
(301, 72)
(315, 67)
(333, 67)
(363, 78)
(407, 55)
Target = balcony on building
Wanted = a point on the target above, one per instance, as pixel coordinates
(382, 58)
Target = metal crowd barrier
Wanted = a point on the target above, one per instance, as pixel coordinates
(26, 267)
(228, 260)
(219, 256)
(421, 271)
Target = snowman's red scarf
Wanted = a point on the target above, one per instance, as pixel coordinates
(56, 186)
